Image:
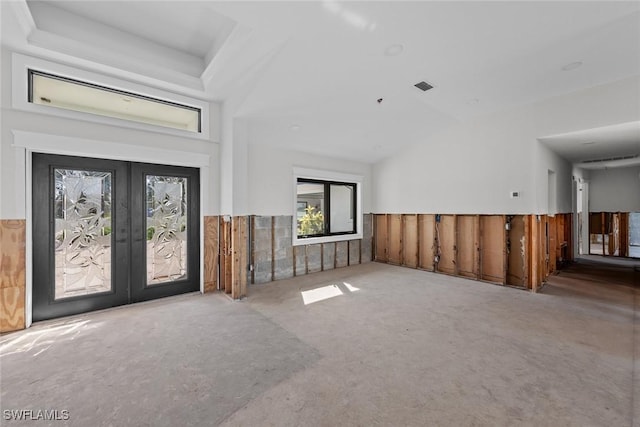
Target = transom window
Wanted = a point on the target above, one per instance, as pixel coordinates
(325, 208)
(75, 95)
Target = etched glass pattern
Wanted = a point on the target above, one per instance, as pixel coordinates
(166, 229)
(82, 232)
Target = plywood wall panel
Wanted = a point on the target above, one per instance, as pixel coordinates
(12, 253)
(426, 236)
(553, 243)
(568, 232)
(226, 259)
(394, 254)
(624, 234)
(410, 241)
(211, 246)
(381, 238)
(545, 239)
(467, 245)
(517, 252)
(446, 238)
(12, 309)
(239, 257)
(12, 274)
(492, 248)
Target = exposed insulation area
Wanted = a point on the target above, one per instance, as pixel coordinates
(514, 250)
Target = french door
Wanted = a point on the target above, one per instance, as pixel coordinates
(108, 233)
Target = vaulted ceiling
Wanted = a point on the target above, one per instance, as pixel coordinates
(308, 75)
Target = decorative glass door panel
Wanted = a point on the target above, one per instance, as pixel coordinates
(166, 229)
(82, 239)
(108, 233)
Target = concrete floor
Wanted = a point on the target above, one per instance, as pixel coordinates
(387, 346)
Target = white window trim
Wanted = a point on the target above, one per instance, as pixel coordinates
(300, 172)
(20, 96)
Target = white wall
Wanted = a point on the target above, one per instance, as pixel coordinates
(615, 190)
(271, 177)
(12, 159)
(471, 167)
(560, 198)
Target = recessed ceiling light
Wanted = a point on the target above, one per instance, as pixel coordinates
(572, 66)
(394, 50)
(474, 101)
(295, 128)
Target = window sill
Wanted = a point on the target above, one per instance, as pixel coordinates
(325, 239)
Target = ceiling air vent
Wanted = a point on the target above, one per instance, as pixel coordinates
(611, 159)
(424, 86)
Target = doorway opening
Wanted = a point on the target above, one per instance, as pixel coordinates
(634, 234)
(614, 234)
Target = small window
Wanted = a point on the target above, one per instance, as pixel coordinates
(325, 208)
(62, 92)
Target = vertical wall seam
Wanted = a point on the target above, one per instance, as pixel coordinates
(273, 248)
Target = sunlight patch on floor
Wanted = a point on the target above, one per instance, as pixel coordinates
(40, 339)
(351, 288)
(325, 292)
(320, 294)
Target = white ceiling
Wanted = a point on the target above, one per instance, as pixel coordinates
(622, 140)
(320, 67)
